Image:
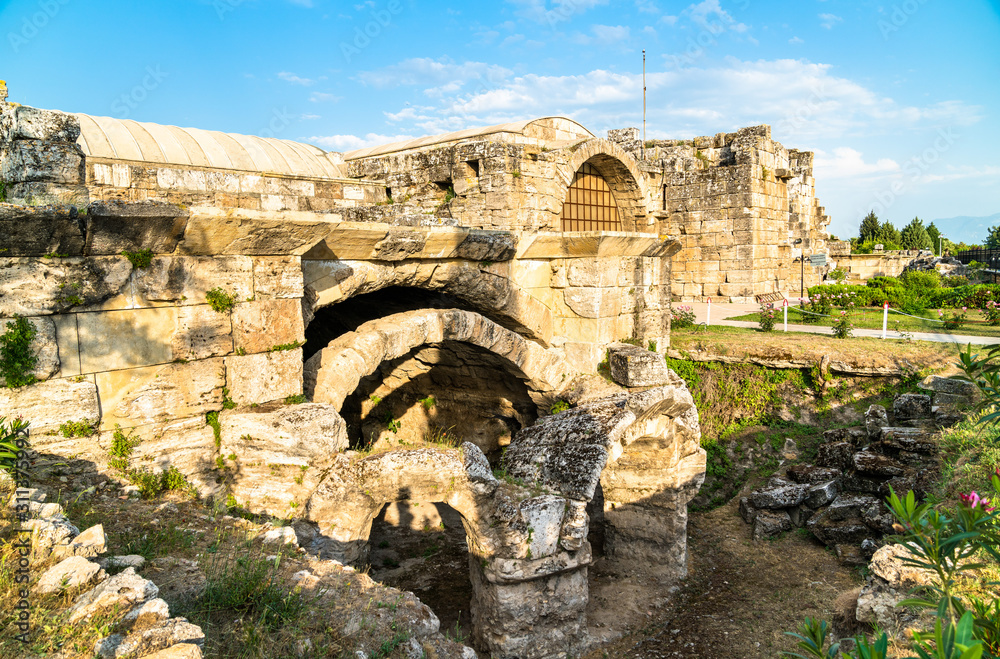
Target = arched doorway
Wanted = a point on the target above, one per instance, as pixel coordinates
(590, 203)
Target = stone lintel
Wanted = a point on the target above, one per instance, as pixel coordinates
(570, 244)
(389, 242)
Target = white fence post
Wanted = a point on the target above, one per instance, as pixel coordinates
(708, 316)
(784, 303)
(885, 317)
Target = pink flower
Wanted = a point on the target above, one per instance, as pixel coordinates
(973, 500)
(963, 308)
(940, 313)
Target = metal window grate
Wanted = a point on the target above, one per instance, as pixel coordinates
(590, 204)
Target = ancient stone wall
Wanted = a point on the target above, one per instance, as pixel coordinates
(737, 202)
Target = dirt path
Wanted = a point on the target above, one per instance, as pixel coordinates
(738, 600)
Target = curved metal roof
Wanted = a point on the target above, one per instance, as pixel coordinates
(123, 139)
(541, 129)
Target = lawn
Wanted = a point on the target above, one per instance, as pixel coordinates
(871, 318)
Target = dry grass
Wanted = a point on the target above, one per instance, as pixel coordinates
(869, 353)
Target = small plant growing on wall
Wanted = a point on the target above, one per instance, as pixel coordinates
(141, 259)
(220, 300)
(17, 359)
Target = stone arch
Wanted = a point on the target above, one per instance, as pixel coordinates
(334, 372)
(493, 294)
(620, 171)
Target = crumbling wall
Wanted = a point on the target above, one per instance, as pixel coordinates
(737, 202)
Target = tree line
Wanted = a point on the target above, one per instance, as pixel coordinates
(913, 236)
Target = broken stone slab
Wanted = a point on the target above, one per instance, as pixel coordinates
(123, 590)
(50, 532)
(890, 563)
(854, 436)
(146, 615)
(876, 418)
(279, 537)
(916, 440)
(160, 637)
(832, 530)
(811, 474)
(88, 544)
(769, 523)
(747, 510)
(800, 515)
(848, 505)
(878, 517)
(850, 555)
(40, 230)
(116, 226)
(837, 455)
(821, 494)
(781, 496)
(67, 574)
(23, 122)
(950, 401)
(911, 406)
(575, 526)
(47, 405)
(632, 366)
(868, 462)
(951, 386)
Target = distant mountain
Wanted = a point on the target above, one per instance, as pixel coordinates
(966, 229)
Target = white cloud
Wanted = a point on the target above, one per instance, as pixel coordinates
(441, 76)
(367, 4)
(795, 40)
(803, 102)
(302, 3)
(295, 80)
(669, 20)
(953, 173)
(829, 20)
(605, 35)
(710, 16)
(647, 6)
(309, 117)
(849, 163)
(351, 142)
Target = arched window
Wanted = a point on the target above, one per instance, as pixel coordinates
(590, 205)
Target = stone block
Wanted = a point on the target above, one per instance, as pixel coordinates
(188, 445)
(876, 418)
(47, 405)
(911, 406)
(68, 574)
(38, 287)
(262, 324)
(28, 123)
(156, 394)
(277, 277)
(202, 332)
(769, 523)
(781, 496)
(116, 226)
(120, 591)
(39, 230)
(114, 340)
(38, 161)
(593, 302)
(632, 366)
(186, 279)
(264, 377)
(821, 494)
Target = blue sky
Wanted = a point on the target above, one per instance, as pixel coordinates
(900, 99)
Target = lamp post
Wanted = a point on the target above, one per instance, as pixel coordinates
(802, 270)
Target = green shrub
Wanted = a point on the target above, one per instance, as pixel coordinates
(84, 428)
(766, 320)
(17, 359)
(842, 326)
(220, 300)
(283, 347)
(559, 406)
(682, 316)
(12, 440)
(140, 259)
(295, 400)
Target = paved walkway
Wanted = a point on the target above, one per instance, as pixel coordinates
(721, 311)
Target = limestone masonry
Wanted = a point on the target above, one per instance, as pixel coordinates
(333, 308)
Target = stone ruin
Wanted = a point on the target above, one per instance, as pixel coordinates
(462, 281)
(841, 498)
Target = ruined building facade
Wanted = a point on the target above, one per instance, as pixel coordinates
(465, 281)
